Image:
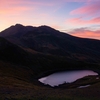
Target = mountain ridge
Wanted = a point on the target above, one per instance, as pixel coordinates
(46, 40)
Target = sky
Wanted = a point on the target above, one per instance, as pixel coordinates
(76, 17)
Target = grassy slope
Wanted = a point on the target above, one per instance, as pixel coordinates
(17, 83)
(14, 85)
(20, 90)
(17, 78)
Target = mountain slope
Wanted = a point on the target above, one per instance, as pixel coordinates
(39, 63)
(12, 53)
(47, 40)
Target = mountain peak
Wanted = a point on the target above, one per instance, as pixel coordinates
(16, 30)
(18, 24)
(47, 27)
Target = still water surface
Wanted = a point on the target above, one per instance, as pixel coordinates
(67, 76)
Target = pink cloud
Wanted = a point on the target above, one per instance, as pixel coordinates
(18, 6)
(12, 7)
(89, 9)
(5, 3)
(80, 21)
(14, 10)
(86, 33)
(81, 0)
(90, 13)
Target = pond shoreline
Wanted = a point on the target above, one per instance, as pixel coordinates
(58, 78)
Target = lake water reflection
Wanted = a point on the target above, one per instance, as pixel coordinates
(67, 76)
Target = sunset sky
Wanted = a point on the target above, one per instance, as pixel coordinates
(76, 17)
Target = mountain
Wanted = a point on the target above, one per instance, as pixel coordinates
(44, 49)
(28, 53)
(47, 40)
